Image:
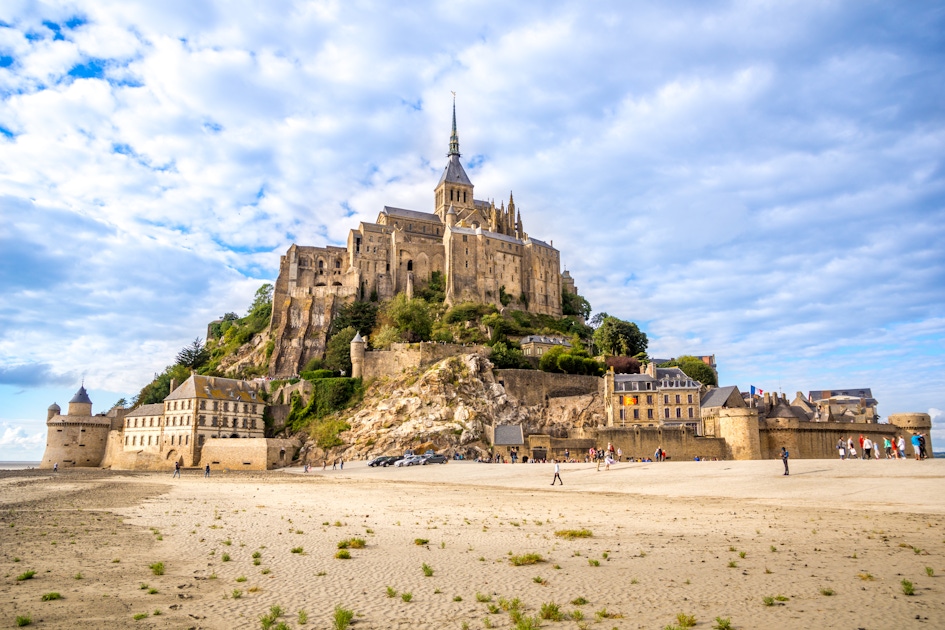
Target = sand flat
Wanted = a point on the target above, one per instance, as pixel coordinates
(707, 539)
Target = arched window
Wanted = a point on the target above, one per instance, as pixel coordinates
(409, 265)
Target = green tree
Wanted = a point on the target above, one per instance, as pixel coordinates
(262, 300)
(505, 356)
(694, 368)
(194, 356)
(411, 318)
(616, 337)
(549, 361)
(362, 316)
(158, 389)
(338, 350)
(574, 304)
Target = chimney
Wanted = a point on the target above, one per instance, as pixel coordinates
(173, 384)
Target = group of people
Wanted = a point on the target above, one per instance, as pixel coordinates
(890, 448)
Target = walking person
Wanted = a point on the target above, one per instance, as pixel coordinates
(916, 446)
(851, 452)
(55, 467)
(867, 445)
(901, 446)
(557, 476)
(887, 447)
(176, 470)
(841, 449)
(784, 458)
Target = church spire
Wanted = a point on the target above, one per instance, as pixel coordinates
(454, 137)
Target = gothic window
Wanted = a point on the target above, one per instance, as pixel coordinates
(337, 264)
(321, 264)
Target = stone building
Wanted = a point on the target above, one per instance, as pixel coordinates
(478, 250)
(200, 409)
(844, 405)
(77, 438)
(657, 397)
(537, 345)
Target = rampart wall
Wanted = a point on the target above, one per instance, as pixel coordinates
(248, 453)
(532, 387)
(76, 442)
(403, 356)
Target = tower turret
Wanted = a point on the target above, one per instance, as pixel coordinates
(81, 404)
(53, 411)
(357, 356)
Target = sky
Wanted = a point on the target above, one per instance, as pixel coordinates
(759, 181)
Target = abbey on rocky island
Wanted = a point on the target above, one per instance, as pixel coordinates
(480, 252)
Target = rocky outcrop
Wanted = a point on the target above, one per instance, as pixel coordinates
(450, 407)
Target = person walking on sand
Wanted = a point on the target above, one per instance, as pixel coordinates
(916, 447)
(867, 445)
(557, 476)
(176, 470)
(851, 452)
(206, 471)
(55, 467)
(841, 450)
(784, 457)
(901, 446)
(887, 447)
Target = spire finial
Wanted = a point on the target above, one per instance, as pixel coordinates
(454, 137)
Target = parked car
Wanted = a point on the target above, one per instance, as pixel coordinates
(408, 461)
(433, 459)
(383, 460)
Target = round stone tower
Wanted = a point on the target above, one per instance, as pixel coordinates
(739, 428)
(77, 438)
(914, 424)
(357, 356)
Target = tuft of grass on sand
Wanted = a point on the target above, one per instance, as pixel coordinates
(157, 568)
(827, 592)
(420, 541)
(26, 575)
(571, 534)
(482, 598)
(907, 587)
(929, 571)
(524, 559)
(722, 623)
(140, 616)
(297, 550)
(391, 591)
(550, 610)
(23, 620)
(427, 570)
(48, 597)
(343, 554)
(592, 562)
(406, 597)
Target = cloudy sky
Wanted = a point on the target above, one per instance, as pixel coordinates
(762, 181)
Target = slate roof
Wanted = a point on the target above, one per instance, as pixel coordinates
(454, 173)
(509, 435)
(410, 214)
(81, 396)
(155, 409)
(856, 392)
(717, 397)
(558, 341)
(215, 387)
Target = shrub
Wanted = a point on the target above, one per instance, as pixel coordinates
(343, 554)
(685, 621)
(427, 570)
(26, 575)
(391, 592)
(298, 550)
(23, 620)
(406, 596)
(157, 568)
(578, 601)
(528, 558)
(722, 623)
(47, 597)
(571, 534)
(551, 611)
(342, 618)
(826, 592)
(420, 541)
(907, 587)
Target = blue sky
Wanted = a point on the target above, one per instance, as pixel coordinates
(759, 181)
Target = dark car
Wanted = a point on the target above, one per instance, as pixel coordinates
(383, 460)
(433, 459)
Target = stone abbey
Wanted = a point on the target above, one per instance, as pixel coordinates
(478, 250)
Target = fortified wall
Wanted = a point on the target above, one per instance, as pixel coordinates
(404, 356)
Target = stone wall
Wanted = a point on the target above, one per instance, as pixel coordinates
(248, 454)
(818, 440)
(533, 387)
(403, 356)
(680, 443)
(76, 442)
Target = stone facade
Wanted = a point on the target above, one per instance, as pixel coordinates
(481, 252)
(658, 397)
(206, 418)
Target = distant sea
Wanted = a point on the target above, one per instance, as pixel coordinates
(18, 465)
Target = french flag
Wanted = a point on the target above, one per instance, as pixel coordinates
(754, 391)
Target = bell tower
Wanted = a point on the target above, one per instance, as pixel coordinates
(454, 188)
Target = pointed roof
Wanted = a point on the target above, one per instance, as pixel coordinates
(81, 396)
(357, 338)
(454, 172)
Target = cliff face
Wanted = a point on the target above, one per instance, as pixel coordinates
(450, 407)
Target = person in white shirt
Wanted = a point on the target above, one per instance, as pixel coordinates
(557, 476)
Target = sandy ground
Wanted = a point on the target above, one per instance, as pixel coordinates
(829, 546)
